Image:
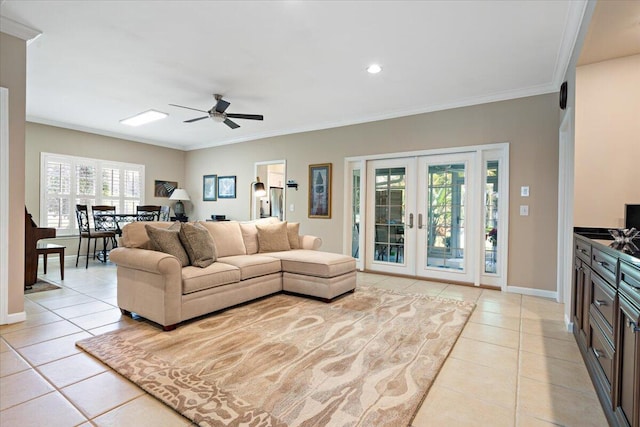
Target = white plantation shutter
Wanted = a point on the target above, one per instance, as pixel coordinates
(69, 180)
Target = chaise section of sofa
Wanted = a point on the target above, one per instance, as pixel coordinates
(155, 285)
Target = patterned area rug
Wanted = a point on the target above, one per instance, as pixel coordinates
(40, 286)
(367, 359)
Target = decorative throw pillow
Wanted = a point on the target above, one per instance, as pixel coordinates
(293, 230)
(198, 243)
(168, 241)
(273, 237)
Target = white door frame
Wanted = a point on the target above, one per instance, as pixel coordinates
(4, 206)
(255, 208)
(566, 187)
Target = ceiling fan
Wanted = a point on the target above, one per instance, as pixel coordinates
(217, 113)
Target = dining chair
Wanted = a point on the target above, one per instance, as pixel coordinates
(148, 212)
(164, 213)
(85, 232)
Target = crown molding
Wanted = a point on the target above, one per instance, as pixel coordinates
(18, 30)
(573, 21)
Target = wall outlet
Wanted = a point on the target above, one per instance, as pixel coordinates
(292, 207)
(524, 210)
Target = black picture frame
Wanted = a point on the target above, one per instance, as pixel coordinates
(227, 187)
(209, 188)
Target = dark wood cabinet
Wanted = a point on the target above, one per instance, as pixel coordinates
(606, 322)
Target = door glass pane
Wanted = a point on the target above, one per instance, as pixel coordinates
(445, 218)
(491, 218)
(355, 214)
(389, 210)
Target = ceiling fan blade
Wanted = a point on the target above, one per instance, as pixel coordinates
(196, 119)
(232, 125)
(246, 116)
(188, 108)
(221, 105)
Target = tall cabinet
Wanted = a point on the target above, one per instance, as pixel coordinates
(606, 319)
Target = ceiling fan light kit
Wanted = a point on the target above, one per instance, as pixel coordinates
(218, 113)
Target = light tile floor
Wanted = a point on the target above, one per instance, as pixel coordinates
(513, 365)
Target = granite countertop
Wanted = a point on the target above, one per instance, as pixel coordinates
(601, 237)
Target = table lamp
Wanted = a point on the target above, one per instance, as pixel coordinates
(179, 194)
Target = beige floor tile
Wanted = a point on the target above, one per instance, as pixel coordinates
(492, 384)
(91, 321)
(4, 346)
(486, 354)
(48, 351)
(500, 297)
(426, 288)
(144, 411)
(34, 319)
(551, 347)
(101, 393)
(65, 301)
(465, 293)
(555, 371)
(64, 372)
(31, 307)
(20, 387)
(506, 309)
(51, 410)
(395, 283)
(82, 309)
(124, 322)
(496, 319)
(11, 363)
(492, 335)
(25, 337)
(527, 421)
(445, 407)
(369, 278)
(548, 328)
(41, 297)
(559, 405)
(537, 313)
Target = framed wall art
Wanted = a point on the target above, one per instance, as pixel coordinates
(209, 187)
(320, 190)
(227, 187)
(163, 188)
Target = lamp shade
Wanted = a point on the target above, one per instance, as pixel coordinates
(258, 189)
(179, 194)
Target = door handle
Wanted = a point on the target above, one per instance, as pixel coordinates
(410, 220)
(420, 226)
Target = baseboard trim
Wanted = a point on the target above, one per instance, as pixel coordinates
(16, 317)
(533, 292)
(568, 323)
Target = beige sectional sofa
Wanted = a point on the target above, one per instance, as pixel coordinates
(155, 285)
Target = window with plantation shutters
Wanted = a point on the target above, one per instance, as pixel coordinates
(69, 180)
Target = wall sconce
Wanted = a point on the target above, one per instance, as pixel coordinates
(292, 184)
(257, 190)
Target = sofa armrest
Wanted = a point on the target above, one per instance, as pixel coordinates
(145, 260)
(310, 242)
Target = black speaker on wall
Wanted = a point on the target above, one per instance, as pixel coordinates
(563, 95)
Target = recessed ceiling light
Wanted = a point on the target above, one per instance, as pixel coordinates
(144, 118)
(374, 69)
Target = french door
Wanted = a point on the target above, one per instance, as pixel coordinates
(436, 216)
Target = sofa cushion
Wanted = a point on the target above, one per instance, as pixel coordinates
(315, 263)
(250, 233)
(168, 241)
(227, 237)
(196, 279)
(198, 244)
(253, 265)
(134, 234)
(293, 232)
(273, 237)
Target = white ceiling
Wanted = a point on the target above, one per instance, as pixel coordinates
(299, 63)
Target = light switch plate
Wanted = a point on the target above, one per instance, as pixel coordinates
(524, 210)
(524, 191)
(291, 207)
